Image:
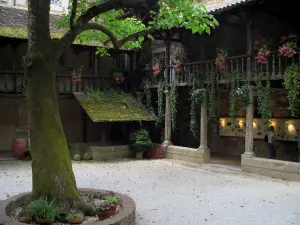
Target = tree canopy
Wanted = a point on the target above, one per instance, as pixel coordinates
(126, 23)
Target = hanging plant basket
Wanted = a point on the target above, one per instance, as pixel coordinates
(288, 46)
(262, 51)
(179, 60)
(222, 56)
(118, 76)
(76, 74)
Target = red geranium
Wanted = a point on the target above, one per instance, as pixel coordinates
(288, 46)
(222, 55)
(76, 75)
(118, 76)
(158, 65)
(263, 51)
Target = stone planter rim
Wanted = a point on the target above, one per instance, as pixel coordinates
(126, 216)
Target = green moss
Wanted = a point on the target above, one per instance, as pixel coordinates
(114, 109)
(22, 33)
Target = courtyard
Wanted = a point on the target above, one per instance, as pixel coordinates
(167, 192)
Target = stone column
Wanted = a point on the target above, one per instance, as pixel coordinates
(203, 129)
(167, 120)
(249, 127)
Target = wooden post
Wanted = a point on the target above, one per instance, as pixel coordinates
(249, 127)
(250, 108)
(249, 45)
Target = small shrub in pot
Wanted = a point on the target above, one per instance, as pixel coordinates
(142, 142)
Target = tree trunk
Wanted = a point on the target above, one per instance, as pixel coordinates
(52, 173)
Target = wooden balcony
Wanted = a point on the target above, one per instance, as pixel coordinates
(244, 65)
(12, 83)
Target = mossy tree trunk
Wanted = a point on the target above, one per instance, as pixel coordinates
(52, 173)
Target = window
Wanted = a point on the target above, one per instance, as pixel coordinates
(56, 2)
(120, 61)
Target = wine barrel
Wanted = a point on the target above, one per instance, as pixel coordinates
(18, 147)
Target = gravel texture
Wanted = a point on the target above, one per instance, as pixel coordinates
(167, 193)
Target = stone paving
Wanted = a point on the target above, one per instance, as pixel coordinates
(167, 193)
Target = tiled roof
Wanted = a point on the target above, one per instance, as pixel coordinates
(222, 5)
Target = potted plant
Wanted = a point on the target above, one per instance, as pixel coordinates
(103, 210)
(142, 143)
(44, 211)
(74, 218)
(112, 199)
(25, 215)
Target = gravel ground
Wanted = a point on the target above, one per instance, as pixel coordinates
(167, 193)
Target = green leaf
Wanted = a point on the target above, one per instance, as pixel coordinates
(141, 38)
(150, 37)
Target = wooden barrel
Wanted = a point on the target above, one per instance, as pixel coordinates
(18, 147)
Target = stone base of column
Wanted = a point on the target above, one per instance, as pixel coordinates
(167, 143)
(205, 152)
(248, 154)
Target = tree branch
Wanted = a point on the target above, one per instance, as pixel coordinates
(125, 15)
(131, 37)
(73, 12)
(82, 21)
(96, 26)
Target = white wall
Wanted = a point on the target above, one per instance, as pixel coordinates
(62, 8)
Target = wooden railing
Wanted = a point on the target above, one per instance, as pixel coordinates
(244, 65)
(12, 82)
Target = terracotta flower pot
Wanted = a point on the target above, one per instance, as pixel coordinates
(77, 221)
(25, 220)
(139, 155)
(113, 210)
(44, 221)
(102, 215)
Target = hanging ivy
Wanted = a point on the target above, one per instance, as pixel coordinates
(243, 94)
(233, 95)
(160, 105)
(173, 102)
(212, 98)
(196, 100)
(263, 94)
(147, 94)
(292, 84)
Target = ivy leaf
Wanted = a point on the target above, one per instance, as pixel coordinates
(141, 38)
(150, 37)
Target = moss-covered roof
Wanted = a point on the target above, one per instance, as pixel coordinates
(22, 33)
(115, 108)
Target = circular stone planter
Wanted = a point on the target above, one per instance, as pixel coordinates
(126, 215)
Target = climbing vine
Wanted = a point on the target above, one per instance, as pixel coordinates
(196, 100)
(243, 94)
(147, 94)
(292, 84)
(160, 105)
(173, 102)
(212, 98)
(263, 94)
(233, 95)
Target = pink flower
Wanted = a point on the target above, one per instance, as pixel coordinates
(257, 42)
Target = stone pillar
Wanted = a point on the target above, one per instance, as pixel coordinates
(203, 129)
(167, 120)
(249, 126)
